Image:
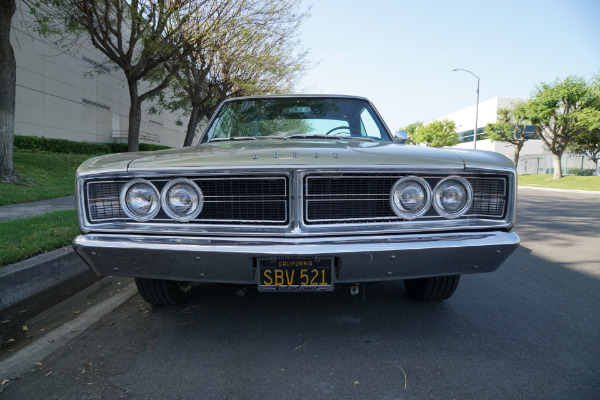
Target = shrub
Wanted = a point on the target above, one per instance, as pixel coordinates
(40, 144)
(581, 172)
(34, 144)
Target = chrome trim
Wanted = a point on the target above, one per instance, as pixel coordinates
(295, 226)
(359, 258)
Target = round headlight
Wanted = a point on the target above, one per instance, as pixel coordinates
(452, 197)
(182, 199)
(140, 200)
(410, 197)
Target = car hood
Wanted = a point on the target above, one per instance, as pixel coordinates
(296, 153)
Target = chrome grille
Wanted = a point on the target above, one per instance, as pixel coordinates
(364, 198)
(232, 200)
(103, 201)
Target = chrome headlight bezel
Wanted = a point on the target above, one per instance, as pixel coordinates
(396, 206)
(437, 202)
(167, 207)
(155, 207)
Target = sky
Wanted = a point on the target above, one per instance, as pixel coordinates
(400, 54)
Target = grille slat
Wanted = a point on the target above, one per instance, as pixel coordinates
(364, 198)
(240, 200)
(336, 198)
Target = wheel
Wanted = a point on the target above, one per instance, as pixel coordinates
(161, 292)
(437, 288)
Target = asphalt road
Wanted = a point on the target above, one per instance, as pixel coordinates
(530, 330)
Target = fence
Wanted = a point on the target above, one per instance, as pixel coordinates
(542, 164)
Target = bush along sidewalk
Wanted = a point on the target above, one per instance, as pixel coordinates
(41, 144)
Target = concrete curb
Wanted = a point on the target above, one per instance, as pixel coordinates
(596, 192)
(25, 279)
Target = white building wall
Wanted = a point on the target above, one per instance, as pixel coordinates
(488, 113)
(59, 94)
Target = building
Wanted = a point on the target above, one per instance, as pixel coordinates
(75, 93)
(533, 158)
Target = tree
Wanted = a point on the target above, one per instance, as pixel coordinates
(410, 130)
(587, 144)
(562, 110)
(510, 128)
(8, 77)
(139, 36)
(255, 52)
(435, 134)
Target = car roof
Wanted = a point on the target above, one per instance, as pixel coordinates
(292, 96)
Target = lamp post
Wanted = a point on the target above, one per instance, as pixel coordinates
(476, 105)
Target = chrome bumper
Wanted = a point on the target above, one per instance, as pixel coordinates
(233, 260)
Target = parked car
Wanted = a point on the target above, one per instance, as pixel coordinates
(296, 194)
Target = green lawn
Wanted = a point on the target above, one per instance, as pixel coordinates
(25, 238)
(48, 176)
(566, 182)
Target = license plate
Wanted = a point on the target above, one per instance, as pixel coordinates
(295, 274)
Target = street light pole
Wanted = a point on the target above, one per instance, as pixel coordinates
(476, 105)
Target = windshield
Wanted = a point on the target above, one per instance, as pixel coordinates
(296, 118)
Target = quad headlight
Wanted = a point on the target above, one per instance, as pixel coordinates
(182, 199)
(139, 199)
(410, 197)
(452, 197)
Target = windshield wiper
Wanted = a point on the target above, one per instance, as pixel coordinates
(233, 138)
(330, 137)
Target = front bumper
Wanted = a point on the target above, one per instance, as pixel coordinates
(233, 260)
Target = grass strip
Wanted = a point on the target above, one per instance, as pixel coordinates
(24, 238)
(47, 176)
(566, 182)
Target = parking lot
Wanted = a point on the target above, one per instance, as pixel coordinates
(529, 330)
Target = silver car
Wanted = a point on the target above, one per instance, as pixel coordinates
(296, 194)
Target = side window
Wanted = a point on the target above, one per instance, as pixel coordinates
(368, 126)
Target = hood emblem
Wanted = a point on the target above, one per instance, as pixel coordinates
(316, 155)
(255, 156)
(275, 155)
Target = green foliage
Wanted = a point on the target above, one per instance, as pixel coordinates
(122, 147)
(562, 110)
(588, 144)
(35, 144)
(434, 134)
(24, 238)
(510, 127)
(580, 172)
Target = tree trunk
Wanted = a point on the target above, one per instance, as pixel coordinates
(8, 76)
(195, 117)
(557, 168)
(517, 153)
(135, 117)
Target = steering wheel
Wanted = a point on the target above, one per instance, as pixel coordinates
(350, 130)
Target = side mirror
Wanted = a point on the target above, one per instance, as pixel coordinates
(400, 137)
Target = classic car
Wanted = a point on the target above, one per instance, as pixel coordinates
(296, 194)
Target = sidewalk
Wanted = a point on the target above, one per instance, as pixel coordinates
(33, 209)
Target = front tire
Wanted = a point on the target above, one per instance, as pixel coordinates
(437, 288)
(161, 292)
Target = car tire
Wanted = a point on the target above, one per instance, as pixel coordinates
(437, 288)
(161, 292)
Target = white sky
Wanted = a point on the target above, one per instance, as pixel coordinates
(399, 54)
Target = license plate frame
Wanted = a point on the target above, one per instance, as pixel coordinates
(298, 274)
